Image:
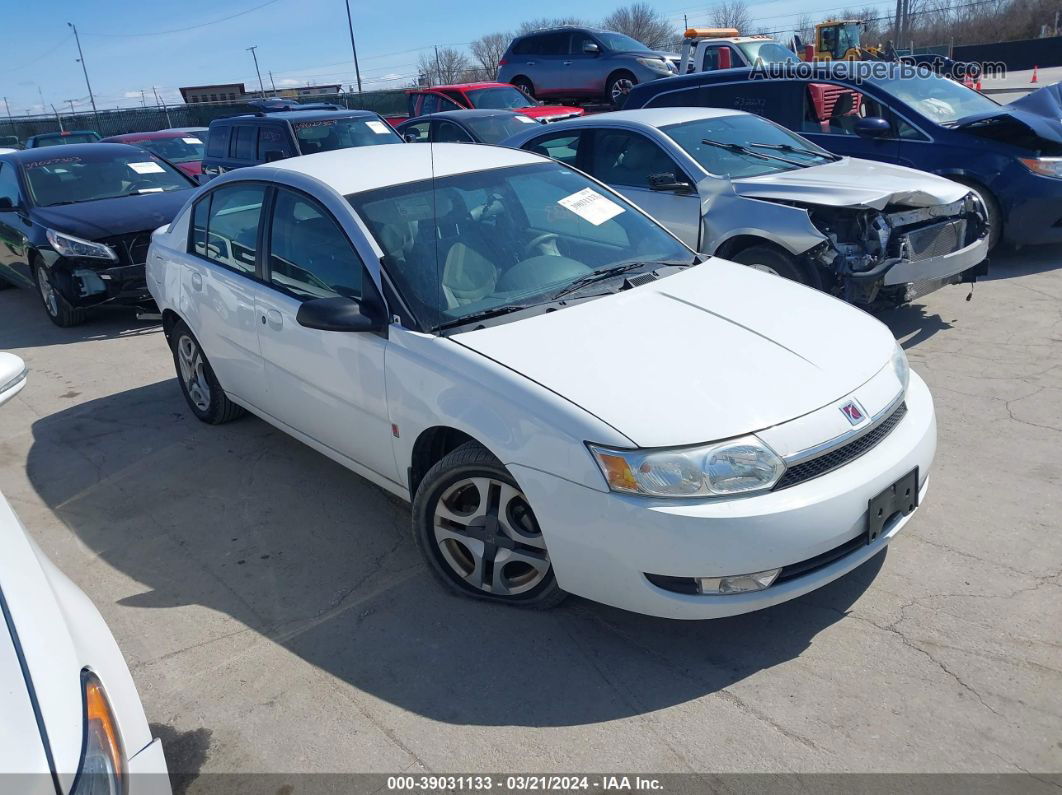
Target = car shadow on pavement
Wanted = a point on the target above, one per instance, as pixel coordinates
(242, 519)
(26, 325)
(1007, 262)
(911, 323)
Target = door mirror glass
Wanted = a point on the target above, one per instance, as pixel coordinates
(668, 182)
(411, 137)
(339, 314)
(591, 48)
(6, 203)
(872, 127)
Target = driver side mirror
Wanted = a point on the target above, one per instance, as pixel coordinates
(340, 314)
(7, 204)
(668, 182)
(872, 127)
(411, 137)
(590, 48)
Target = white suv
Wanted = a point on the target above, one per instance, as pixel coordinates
(570, 398)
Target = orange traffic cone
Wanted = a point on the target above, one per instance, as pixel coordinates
(977, 87)
(1035, 79)
(967, 81)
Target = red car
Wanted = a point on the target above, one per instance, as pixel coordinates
(482, 96)
(183, 149)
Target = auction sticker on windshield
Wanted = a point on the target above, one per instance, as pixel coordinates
(378, 127)
(591, 206)
(192, 141)
(147, 168)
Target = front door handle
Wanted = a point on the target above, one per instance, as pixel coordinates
(530, 63)
(273, 319)
(197, 280)
(567, 63)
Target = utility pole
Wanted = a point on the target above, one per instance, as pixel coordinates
(685, 23)
(81, 60)
(438, 67)
(160, 101)
(261, 85)
(272, 83)
(353, 49)
(72, 113)
(143, 102)
(10, 118)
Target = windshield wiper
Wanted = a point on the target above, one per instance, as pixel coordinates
(597, 276)
(797, 151)
(744, 150)
(483, 314)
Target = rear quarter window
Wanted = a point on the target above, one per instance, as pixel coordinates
(246, 142)
(218, 141)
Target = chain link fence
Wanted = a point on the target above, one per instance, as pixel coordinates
(145, 119)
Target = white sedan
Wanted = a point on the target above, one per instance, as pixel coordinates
(570, 398)
(70, 717)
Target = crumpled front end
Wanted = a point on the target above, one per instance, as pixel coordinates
(901, 252)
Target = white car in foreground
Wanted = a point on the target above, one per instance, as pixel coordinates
(571, 400)
(70, 717)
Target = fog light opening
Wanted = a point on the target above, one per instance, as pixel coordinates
(738, 583)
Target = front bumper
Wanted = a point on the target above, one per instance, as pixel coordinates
(120, 284)
(147, 771)
(602, 544)
(938, 268)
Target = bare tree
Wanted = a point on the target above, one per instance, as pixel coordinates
(642, 22)
(488, 50)
(732, 14)
(442, 66)
(547, 22)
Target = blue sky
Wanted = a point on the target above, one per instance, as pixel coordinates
(131, 45)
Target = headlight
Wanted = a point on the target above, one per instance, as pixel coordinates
(70, 246)
(1045, 166)
(102, 769)
(901, 367)
(715, 470)
(655, 64)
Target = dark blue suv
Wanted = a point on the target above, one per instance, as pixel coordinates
(263, 137)
(1010, 154)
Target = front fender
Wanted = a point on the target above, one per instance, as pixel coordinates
(786, 226)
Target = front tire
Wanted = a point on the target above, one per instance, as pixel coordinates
(524, 85)
(199, 385)
(774, 261)
(60, 311)
(618, 87)
(478, 533)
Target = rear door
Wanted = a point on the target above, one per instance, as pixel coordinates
(327, 385)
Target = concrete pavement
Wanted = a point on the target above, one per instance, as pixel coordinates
(277, 618)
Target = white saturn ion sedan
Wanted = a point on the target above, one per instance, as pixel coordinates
(572, 400)
(71, 722)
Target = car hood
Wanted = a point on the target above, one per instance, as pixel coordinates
(851, 182)
(1032, 122)
(47, 647)
(715, 351)
(109, 217)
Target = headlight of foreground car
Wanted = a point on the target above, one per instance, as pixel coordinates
(1044, 166)
(655, 64)
(901, 366)
(738, 466)
(70, 246)
(103, 765)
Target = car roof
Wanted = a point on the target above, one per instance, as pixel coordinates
(64, 134)
(369, 167)
(72, 150)
(299, 115)
(464, 113)
(465, 86)
(143, 136)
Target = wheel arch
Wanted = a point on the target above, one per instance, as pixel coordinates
(170, 319)
(431, 445)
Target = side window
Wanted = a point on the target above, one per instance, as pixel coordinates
(413, 104)
(8, 186)
(309, 256)
(245, 143)
(218, 142)
(447, 132)
(777, 100)
(553, 44)
(578, 41)
(623, 158)
(420, 130)
(560, 146)
(225, 226)
(835, 110)
(527, 46)
(457, 98)
(430, 104)
(273, 139)
(448, 104)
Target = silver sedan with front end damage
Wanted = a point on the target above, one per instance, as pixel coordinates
(741, 187)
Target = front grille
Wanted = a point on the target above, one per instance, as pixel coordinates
(838, 457)
(936, 240)
(132, 249)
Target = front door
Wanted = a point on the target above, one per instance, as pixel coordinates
(328, 385)
(13, 226)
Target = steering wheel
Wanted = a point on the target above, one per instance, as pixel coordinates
(541, 240)
(531, 273)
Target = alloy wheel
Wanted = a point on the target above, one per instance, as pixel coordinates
(621, 87)
(489, 538)
(193, 372)
(44, 284)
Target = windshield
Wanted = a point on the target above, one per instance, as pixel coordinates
(324, 135)
(500, 98)
(620, 43)
(89, 177)
(510, 235)
(743, 130)
(183, 149)
(492, 129)
(767, 52)
(937, 98)
(847, 38)
(72, 138)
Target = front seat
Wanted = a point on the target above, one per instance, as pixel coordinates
(468, 276)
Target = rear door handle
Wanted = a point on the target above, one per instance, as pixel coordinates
(530, 63)
(567, 63)
(197, 280)
(273, 319)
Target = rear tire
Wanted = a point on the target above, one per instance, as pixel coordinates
(60, 311)
(618, 86)
(199, 385)
(478, 534)
(774, 261)
(524, 85)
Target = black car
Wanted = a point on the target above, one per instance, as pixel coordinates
(80, 218)
(250, 140)
(62, 138)
(465, 126)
